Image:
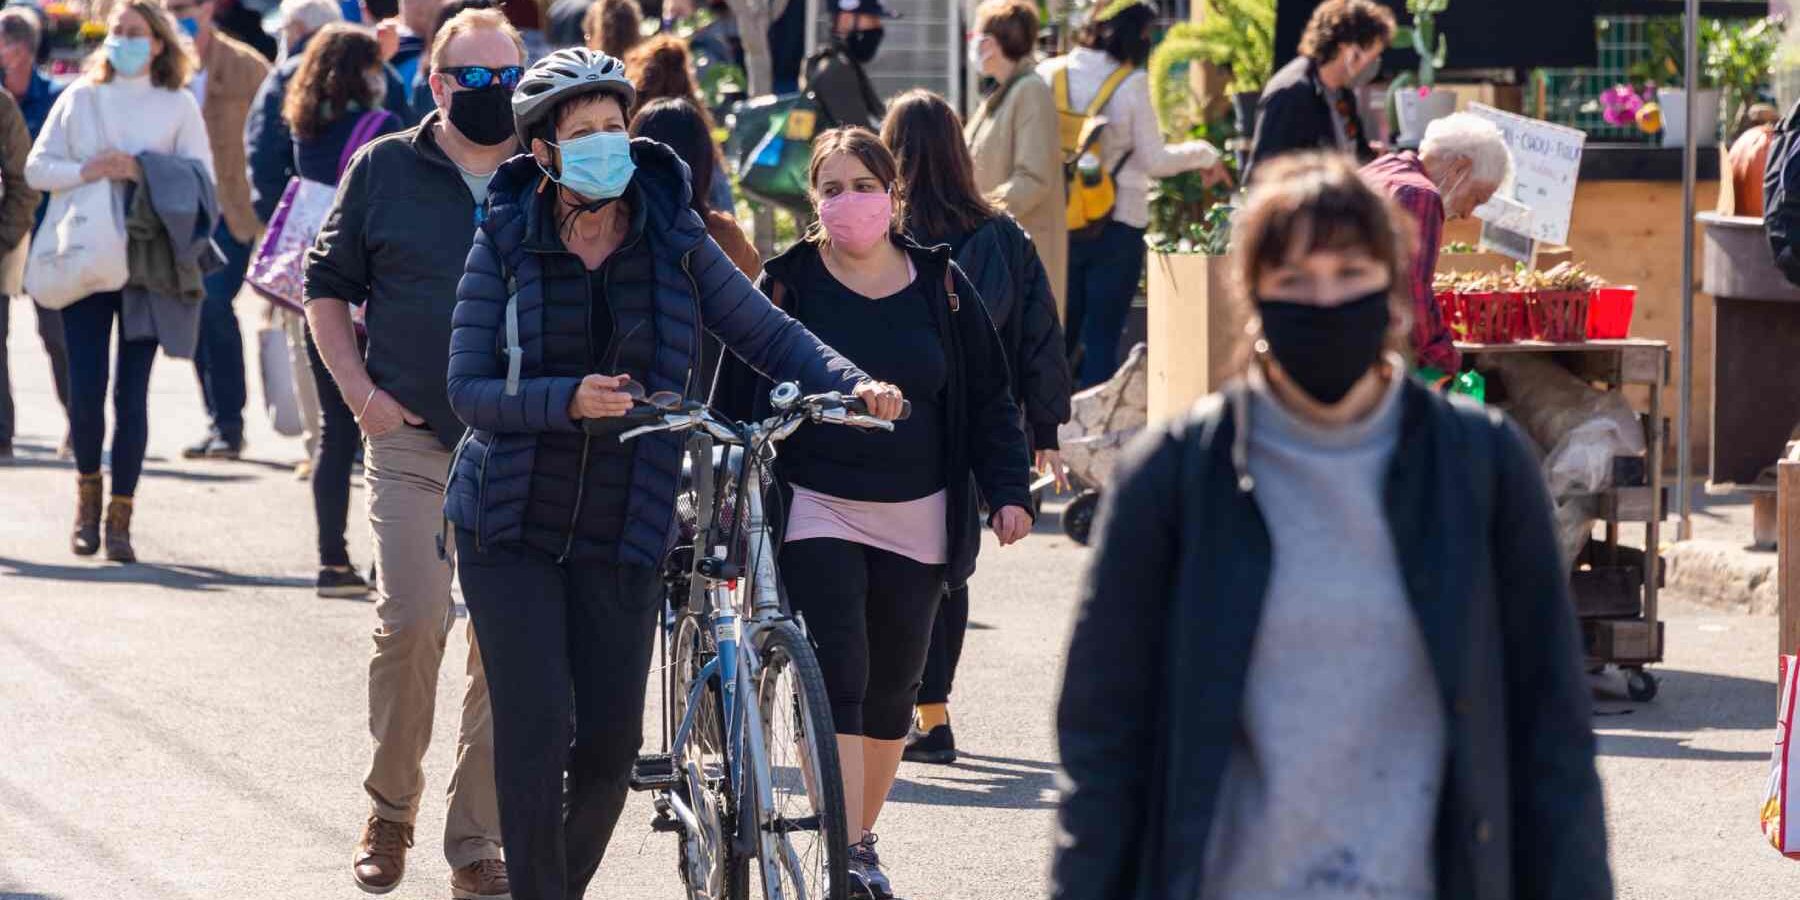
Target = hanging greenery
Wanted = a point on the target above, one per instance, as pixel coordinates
(1238, 35)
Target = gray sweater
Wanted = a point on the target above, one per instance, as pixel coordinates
(1332, 786)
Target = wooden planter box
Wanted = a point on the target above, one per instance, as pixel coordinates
(1194, 329)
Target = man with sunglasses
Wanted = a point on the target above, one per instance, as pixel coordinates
(395, 243)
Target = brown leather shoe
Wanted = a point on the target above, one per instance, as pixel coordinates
(481, 880)
(380, 860)
(118, 530)
(86, 539)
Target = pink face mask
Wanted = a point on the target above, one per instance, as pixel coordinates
(855, 221)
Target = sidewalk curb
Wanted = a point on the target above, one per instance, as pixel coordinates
(1723, 575)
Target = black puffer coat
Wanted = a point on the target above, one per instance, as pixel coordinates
(1003, 264)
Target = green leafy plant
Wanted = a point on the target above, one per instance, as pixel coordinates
(1171, 94)
(1740, 60)
(1424, 38)
(1238, 35)
(1183, 217)
(1664, 63)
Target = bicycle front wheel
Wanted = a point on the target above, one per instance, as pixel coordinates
(804, 839)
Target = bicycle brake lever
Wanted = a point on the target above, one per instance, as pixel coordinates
(669, 423)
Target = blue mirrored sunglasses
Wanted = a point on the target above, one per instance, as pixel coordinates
(475, 78)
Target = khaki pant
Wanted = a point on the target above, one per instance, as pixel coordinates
(406, 469)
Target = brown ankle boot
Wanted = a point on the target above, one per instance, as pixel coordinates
(86, 539)
(118, 531)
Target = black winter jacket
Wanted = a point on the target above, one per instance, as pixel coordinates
(986, 448)
(1154, 687)
(1003, 264)
(523, 454)
(1294, 113)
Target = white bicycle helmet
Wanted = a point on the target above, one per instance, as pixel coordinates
(563, 75)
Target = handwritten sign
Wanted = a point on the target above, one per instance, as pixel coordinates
(1546, 164)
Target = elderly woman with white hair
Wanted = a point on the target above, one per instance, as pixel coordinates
(1461, 162)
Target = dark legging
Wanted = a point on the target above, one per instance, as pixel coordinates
(339, 436)
(869, 613)
(946, 646)
(88, 325)
(567, 652)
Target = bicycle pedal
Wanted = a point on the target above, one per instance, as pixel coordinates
(654, 772)
(664, 823)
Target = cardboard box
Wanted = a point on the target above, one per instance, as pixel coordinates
(1194, 329)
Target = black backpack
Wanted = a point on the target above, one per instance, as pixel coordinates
(1781, 195)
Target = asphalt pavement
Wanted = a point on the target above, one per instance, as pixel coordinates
(195, 726)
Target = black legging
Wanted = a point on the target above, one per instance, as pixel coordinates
(946, 646)
(88, 327)
(870, 614)
(339, 436)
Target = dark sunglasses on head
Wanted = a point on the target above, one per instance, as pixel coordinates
(475, 78)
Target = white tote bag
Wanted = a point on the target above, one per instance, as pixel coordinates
(80, 248)
(279, 399)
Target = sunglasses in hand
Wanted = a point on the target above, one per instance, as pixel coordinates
(475, 78)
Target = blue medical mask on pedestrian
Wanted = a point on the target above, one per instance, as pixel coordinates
(190, 26)
(129, 56)
(597, 166)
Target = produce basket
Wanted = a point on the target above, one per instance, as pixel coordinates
(1558, 315)
(1491, 317)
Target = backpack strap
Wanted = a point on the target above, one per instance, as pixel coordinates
(1109, 87)
(1059, 85)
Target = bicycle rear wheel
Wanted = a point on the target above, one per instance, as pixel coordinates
(705, 856)
(804, 840)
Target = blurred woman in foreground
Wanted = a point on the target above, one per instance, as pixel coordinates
(1326, 646)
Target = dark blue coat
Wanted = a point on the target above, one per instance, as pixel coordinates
(696, 287)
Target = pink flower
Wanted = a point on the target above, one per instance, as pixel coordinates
(1424, 90)
(1620, 105)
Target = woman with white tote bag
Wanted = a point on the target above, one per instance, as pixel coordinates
(133, 99)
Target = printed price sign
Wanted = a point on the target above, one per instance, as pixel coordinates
(1546, 164)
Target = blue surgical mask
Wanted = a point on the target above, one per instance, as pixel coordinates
(597, 166)
(190, 26)
(129, 56)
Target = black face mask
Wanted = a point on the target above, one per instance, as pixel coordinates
(1326, 349)
(861, 45)
(483, 116)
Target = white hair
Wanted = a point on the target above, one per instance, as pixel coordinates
(311, 15)
(1471, 137)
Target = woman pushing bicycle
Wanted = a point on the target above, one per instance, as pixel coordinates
(878, 523)
(590, 282)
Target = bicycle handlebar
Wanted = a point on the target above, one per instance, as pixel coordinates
(830, 407)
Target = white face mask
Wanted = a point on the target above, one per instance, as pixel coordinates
(975, 55)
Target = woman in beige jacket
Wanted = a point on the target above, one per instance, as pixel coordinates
(1013, 134)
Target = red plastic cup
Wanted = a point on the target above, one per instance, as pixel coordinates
(1609, 312)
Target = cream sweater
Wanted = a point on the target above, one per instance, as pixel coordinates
(1131, 125)
(134, 117)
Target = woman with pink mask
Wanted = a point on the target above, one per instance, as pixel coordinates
(878, 522)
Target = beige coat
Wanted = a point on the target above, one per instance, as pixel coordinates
(234, 73)
(1019, 166)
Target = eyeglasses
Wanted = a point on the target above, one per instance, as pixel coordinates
(475, 78)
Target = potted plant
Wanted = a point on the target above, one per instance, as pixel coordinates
(1664, 67)
(1741, 61)
(1416, 100)
(1192, 324)
(1238, 35)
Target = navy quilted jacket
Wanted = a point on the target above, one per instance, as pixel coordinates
(695, 287)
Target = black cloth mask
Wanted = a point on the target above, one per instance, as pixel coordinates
(483, 116)
(1326, 349)
(861, 45)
